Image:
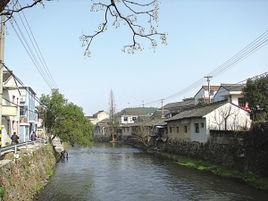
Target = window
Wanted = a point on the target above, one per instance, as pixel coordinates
(23, 110)
(13, 98)
(241, 102)
(170, 129)
(13, 125)
(196, 125)
(202, 125)
(125, 118)
(185, 129)
(127, 129)
(178, 129)
(134, 118)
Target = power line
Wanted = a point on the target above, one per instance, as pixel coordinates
(27, 48)
(21, 83)
(34, 43)
(251, 48)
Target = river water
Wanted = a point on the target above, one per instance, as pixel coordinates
(109, 172)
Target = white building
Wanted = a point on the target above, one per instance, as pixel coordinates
(10, 107)
(195, 124)
(97, 117)
(128, 119)
(130, 115)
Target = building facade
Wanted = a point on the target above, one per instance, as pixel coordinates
(10, 108)
(231, 92)
(195, 124)
(28, 113)
(98, 117)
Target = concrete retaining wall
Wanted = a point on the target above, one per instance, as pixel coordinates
(22, 178)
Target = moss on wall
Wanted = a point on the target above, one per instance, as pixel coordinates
(21, 179)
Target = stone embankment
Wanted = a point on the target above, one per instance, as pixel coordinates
(25, 173)
(242, 155)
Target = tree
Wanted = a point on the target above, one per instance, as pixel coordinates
(65, 120)
(256, 94)
(141, 17)
(221, 117)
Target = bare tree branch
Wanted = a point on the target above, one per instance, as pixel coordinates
(140, 18)
(124, 11)
(9, 7)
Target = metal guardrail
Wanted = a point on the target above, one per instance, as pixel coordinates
(14, 148)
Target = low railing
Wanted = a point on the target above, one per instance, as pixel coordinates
(14, 148)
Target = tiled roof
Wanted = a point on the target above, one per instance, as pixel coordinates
(6, 75)
(197, 111)
(155, 122)
(212, 87)
(233, 87)
(184, 103)
(137, 111)
(179, 106)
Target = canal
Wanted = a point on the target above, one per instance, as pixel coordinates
(109, 172)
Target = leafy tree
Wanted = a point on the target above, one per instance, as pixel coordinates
(65, 120)
(256, 94)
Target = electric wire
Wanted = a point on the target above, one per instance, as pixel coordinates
(248, 50)
(35, 45)
(28, 50)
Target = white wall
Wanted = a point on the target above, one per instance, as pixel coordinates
(238, 118)
(129, 119)
(8, 94)
(101, 116)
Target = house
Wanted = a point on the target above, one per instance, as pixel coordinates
(204, 96)
(10, 107)
(144, 131)
(172, 109)
(195, 124)
(102, 129)
(28, 113)
(97, 117)
(130, 115)
(126, 130)
(231, 92)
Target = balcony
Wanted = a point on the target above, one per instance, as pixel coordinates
(9, 110)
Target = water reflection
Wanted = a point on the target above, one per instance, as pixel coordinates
(118, 173)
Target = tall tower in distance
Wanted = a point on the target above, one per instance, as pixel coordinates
(111, 105)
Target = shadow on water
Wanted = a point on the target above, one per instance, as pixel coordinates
(108, 172)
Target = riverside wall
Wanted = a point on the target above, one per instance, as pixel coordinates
(244, 151)
(24, 174)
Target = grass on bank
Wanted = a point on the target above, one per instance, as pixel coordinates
(2, 192)
(250, 178)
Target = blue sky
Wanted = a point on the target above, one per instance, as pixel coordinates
(201, 36)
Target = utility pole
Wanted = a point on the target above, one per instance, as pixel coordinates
(208, 77)
(2, 37)
(162, 108)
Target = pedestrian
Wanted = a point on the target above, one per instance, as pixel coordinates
(33, 136)
(15, 138)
